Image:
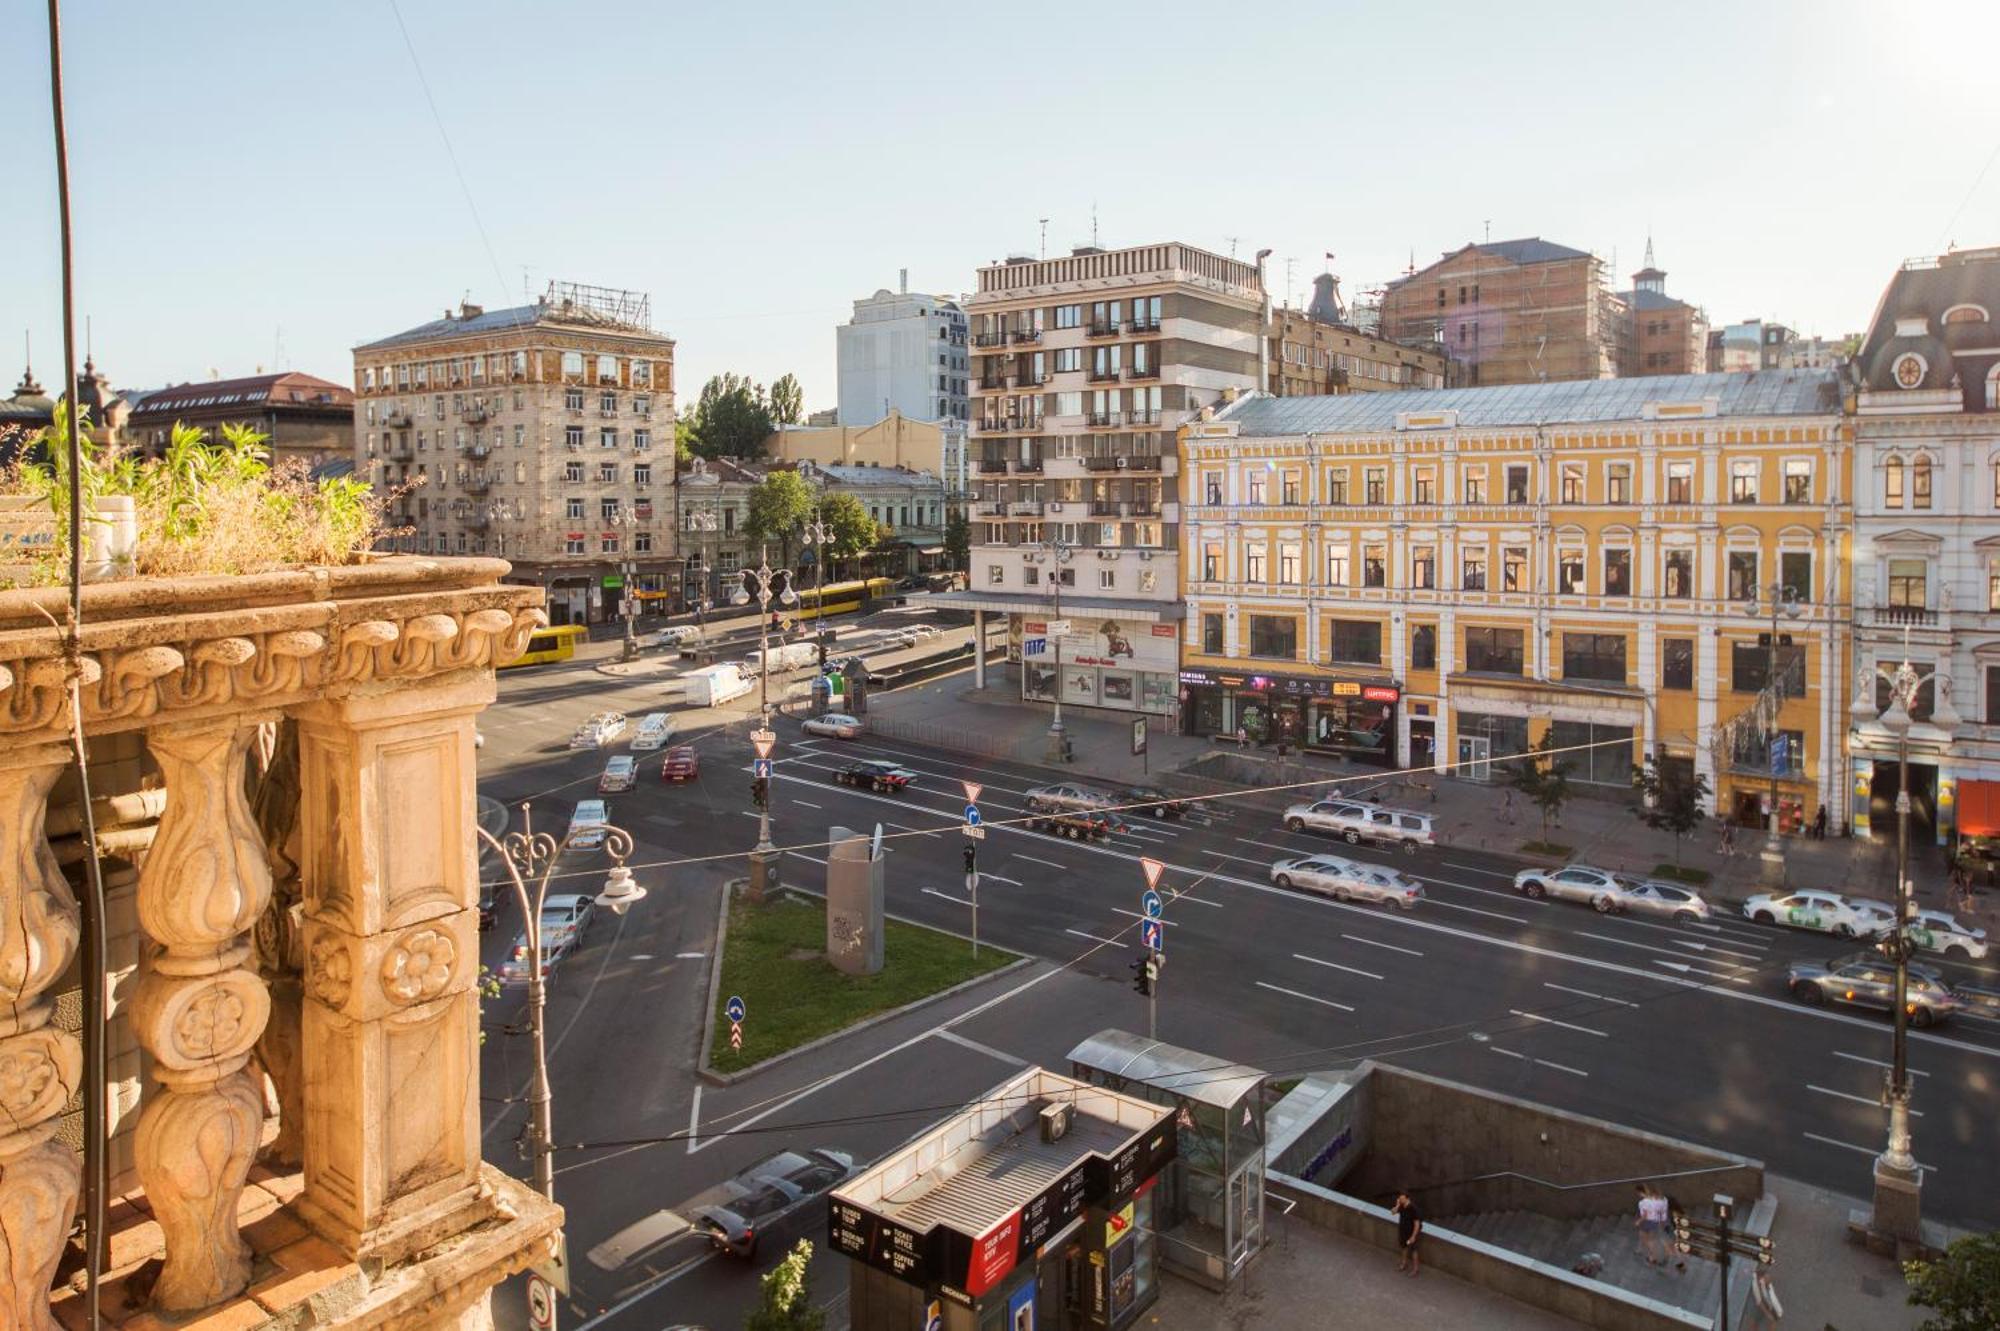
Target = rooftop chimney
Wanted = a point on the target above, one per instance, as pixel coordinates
(903, 281)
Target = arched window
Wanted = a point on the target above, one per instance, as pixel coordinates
(1920, 482)
(1993, 388)
(1892, 482)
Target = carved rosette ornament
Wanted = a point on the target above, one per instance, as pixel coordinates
(198, 1009)
(417, 967)
(40, 1067)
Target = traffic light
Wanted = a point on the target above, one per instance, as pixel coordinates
(760, 790)
(971, 858)
(1142, 974)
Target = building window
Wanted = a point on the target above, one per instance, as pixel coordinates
(1336, 486)
(1473, 570)
(1996, 482)
(641, 440)
(1211, 634)
(1618, 483)
(1107, 578)
(1920, 483)
(1336, 566)
(1374, 566)
(1680, 482)
(607, 438)
(573, 473)
(1494, 651)
(1256, 484)
(607, 543)
(1212, 488)
(1617, 572)
(996, 576)
(1288, 563)
(1743, 482)
(1253, 562)
(642, 543)
(1907, 589)
(1273, 636)
(1572, 482)
(1680, 575)
(1993, 695)
(608, 509)
(573, 508)
(1569, 573)
(1993, 588)
(1423, 566)
(1424, 485)
(573, 545)
(1513, 568)
(1795, 573)
(1424, 647)
(1892, 482)
(1677, 663)
(1798, 481)
(1517, 485)
(573, 436)
(1358, 641)
(642, 475)
(1742, 575)
(607, 473)
(1599, 656)
(1375, 486)
(573, 399)
(1475, 485)
(1750, 666)
(1289, 485)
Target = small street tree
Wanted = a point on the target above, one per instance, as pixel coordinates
(731, 418)
(958, 541)
(853, 530)
(1673, 800)
(1543, 780)
(1962, 1287)
(787, 1296)
(779, 506)
(788, 401)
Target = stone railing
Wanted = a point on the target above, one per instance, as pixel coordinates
(322, 930)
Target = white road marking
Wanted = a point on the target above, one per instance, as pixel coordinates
(1039, 860)
(1646, 947)
(1334, 965)
(1353, 938)
(1475, 910)
(900, 828)
(1858, 1099)
(1585, 993)
(1240, 859)
(808, 803)
(802, 855)
(952, 897)
(691, 956)
(984, 876)
(1568, 1026)
(1559, 1067)
(1875, 1062)
(1293, 993)
(1685, 969)
(694, 1118)
(979, 1048)
(1718, 949)
(1096, 938)
(1850, 1146)
(1473, 868)
(1137, 916)
(1675, 930)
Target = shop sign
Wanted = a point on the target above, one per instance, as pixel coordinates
(1343, 688)
(1380, 693)
(879, 1242)
(1120, 1174)
(1118, 1224)
(1201, 677)
(612, 580)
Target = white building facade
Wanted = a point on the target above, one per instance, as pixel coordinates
(903, 351)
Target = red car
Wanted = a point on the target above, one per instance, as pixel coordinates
(682, 764)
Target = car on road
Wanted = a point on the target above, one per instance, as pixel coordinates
(1650, 896)
(564, 921)
(1152, 802)
(1941, 932)
(834, 725)
(674, 635)
(1981, 996)
(598, 731)
(1869, 980)
(1356, 821)
(1066, 795)
(875, 776)
(1600, 889)
(655, 729)
(620, 773)
(587, 825)
(1077, 824)
(682, 763)
(1347, 880)
(734, 1215)
(1828, 912)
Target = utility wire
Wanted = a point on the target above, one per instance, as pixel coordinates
(1944, 237)
(449, 152)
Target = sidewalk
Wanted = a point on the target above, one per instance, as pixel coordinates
(1600, 829)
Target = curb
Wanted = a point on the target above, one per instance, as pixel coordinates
(724, 1079)
(729, 887)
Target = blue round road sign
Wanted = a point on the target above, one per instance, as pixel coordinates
(1151, 904)
(734, 1008)
(972, 815)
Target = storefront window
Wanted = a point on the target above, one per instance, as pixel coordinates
(1599, 755)
(1357, 640)
(1274, 636)
(1506, 736)
(1353, 726)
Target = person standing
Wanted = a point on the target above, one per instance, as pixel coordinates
(1765, 1310)
(1651, 1222)
(1409, 1235)
(1819, 823)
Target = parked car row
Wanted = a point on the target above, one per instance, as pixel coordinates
(1356, 821)
(1609, 892)
(1349, 880)
(1072, 796)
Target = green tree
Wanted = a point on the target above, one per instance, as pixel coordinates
(788, 401)
(787, 1296)
(1543, 780)
(779, 506)
(684, 443)
(853, 530)
(731, 418)
(1672, 800)
(1962, 1287)
(958, 541)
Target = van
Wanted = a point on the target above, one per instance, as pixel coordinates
(654, 732)
(674, 635)
(587, 824)
(789, 656)
(714, 685)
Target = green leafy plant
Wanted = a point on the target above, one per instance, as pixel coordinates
(1672, 800)
(787, 1296)
(1962, 1287)
(1544, 780)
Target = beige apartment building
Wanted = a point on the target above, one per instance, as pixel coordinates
(543, 434)
(935, 447)
(1317, 352)
(1084, 367)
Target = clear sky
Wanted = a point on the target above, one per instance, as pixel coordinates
(263, 184)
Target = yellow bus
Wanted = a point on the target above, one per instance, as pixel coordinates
(838, 598)
(555, 643)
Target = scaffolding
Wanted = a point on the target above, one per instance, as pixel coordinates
(607, 307)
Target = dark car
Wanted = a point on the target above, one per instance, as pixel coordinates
(1078, 824)
(734, 1215)
(1867, 979)
(682, 763)
(1152, 801)
(875, 776)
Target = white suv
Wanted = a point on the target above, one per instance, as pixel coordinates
(1356, 821)
(1345, 880)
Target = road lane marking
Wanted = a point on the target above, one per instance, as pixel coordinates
(1687, 969)
(1585, 993)
(1039, 860)
(1648, 947)
(1097, 938)
(998, 878)
(1354, 938)
(690, 956)
(802, 855)
(1137, 916)
(1850, 1146)
(1559, 1067)
(1293, 993)
(918, 831)
(1719, 950)
(1475, 910)
(952, 897)
(1876, 1062)
(979, 1048)
(1568, 1026)
(694, 1118)
(1240, 859)
(1334, 965)
(1675, 930)
(1858, 1099)
(1473, 868)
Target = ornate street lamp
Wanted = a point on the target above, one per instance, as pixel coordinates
(1783, 602)
(764, 585)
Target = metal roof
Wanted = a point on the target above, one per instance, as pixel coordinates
(1170, 1068)
(1030, 603)
(487, 321)
(1579, 401)
(987, 1182)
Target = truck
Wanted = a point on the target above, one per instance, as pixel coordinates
(714, 685)
(790, 656)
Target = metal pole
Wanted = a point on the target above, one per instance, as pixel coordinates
(972, 884)
(1722, 1257)
(1898, 1156)
(1153, 1008)
(761, 857)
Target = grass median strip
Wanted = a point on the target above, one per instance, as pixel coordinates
(774, 958)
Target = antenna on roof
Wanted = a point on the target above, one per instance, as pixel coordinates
(1044, 251)
(1093, 224)
(1232, 244)
(1489, 232)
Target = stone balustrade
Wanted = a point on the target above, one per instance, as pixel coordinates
(317, 924)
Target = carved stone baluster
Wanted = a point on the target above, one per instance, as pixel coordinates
(198, 1009)
(279, 958)
(39, 1066)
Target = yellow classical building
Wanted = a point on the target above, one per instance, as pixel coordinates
(1440, 579)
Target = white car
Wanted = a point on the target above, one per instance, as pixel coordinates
(675, 635)
(587, 824)
(598, 731)
(1670, 900)
(654, 732)
(1828, 912)
(834, 725)
(1937, 931)
(621, 773)
(1356, 821)
(1600, 889)
(1345, 880)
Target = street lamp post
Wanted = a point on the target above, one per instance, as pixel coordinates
(817, 536)
(1896, 1219)
(768, 585)
(703, 523)
(530, 854)
(1057, 554)
(1784, 603)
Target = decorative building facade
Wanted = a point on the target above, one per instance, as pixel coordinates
(1317, 351)
(302, 418)
(1442, 579)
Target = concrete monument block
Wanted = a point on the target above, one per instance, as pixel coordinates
(854, 902)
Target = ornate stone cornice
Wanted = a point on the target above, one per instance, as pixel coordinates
(157, 651)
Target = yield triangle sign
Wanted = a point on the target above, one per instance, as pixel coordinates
(1153, 868)
(972, 789)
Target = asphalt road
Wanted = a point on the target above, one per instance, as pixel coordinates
(1679, 1029)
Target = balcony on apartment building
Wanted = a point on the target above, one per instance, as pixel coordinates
(1099, 375)
(1124, 508)
(1025, 466)
(1104, 420)
(1122, 462)
(1143, 327)
(989, 339)
(1909, 616)
(1025, 336)
(1026, 379)
(476, 482)
(398, 451)
(993, 466)
(1025, 508)
(479, 450)
(1142, 372)
(1101, 329)
(992, 382)
(1009, 424)
(475, 414)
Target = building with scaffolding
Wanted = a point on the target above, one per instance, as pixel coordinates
(542, 433)
(1510, 312)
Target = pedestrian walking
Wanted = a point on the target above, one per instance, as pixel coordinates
(1242, 737)
(1819, 824)
(1728, 843)
(1507, 805)
(1651, 1224)
(1409, 1235)
(1765, 1310)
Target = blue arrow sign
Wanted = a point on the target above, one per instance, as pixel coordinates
(1151, 904)
(1152, 935)
(734, 1008)
(760, 767)
(972, 815)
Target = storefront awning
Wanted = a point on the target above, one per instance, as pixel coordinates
(1029, 603)
(1979, 808)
